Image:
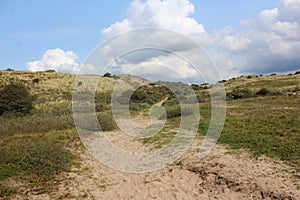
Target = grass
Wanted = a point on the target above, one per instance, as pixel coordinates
(33, 148)
(164, 136)
(35, 157)
(264, 126)
(6, 191)
(267, 122)
(268, 126)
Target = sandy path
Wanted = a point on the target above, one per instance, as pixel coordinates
(220, 175)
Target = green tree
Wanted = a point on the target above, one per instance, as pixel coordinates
(16, 99)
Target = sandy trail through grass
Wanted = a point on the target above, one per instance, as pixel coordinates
(223, 174)
(220, 175)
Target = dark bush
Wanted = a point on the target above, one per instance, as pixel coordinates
(195, 87)
(297, 72)
(36, 81)
(240, 94)
(263, 92)
(222, 81)
(50, 71)
(15, 98)
(107, 74)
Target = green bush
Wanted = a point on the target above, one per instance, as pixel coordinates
(263, 92)
(175, 111)
(240, 93)
(15, 98)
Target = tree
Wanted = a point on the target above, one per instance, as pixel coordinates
(15, 98)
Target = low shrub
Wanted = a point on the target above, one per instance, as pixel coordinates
(15, 98)
(106, 121)
(240, 94)
(265, 92)
(175, 111)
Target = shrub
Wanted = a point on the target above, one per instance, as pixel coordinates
(263, 92)
(171, 101)
(106, 121)
(36, 81)
(195, 87)
(15, 98)
(175, 111)
(240, 93)
(50, 71)
(107, 74)
(297, 72)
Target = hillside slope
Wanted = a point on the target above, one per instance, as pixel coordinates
(257, 156)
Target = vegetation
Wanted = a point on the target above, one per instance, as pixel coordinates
(15, 98)
(36, 133)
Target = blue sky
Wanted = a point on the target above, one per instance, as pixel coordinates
(30, 28)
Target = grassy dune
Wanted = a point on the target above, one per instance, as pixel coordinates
(35, 148)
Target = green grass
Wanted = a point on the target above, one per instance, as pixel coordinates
(268, 126)
(39, 122)
(264, 126)
(35, 158)
(265, 123)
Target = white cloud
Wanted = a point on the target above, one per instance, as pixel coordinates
(57, 59)
(168, 14)
(273, 44)
(173, 15)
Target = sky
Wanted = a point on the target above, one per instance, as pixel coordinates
(241, 37)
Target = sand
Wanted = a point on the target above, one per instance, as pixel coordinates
(223, 174)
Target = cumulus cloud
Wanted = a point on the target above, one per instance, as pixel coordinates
(57, 59)
(173, 15)
(269, 43)
(273, 43)
(169, 14)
